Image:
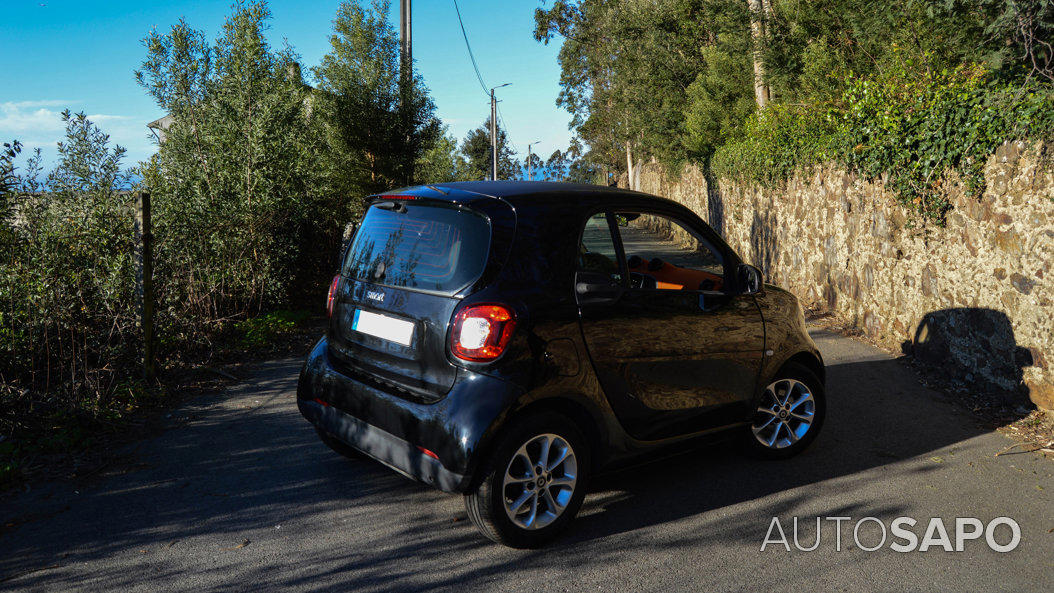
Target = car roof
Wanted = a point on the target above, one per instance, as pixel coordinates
(579, 196)
(517, 192)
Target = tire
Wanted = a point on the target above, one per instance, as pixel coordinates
(780, 430)
(339, 446)
(510, 482)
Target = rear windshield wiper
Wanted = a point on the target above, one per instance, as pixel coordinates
(393, 206)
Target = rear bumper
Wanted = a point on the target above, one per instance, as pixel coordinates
(394, 430)
(383, 446)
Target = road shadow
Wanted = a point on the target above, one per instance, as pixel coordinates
(354, 525)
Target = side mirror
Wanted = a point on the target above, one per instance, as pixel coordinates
(593, 287)
(749, 279)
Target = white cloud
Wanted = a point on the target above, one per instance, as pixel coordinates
(17, 118)
(97, 118)
(44, 103)
(38, 124)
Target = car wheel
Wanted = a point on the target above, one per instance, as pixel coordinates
(339, 446)
(533, 484)
(789, 415)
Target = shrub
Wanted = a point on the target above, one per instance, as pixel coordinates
(777, 142)
(911, 124)
(260, 331)
(67, 325)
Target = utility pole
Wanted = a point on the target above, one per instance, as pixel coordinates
(406, 68)
(144, 280)
(405, 34)
(493, 138)
(530, 177)
(494, 133)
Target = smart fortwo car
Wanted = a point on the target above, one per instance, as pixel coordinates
(508, 340)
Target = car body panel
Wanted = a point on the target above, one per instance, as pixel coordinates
(669, 367)
(548, 362)
(453, 428)
(786, 336)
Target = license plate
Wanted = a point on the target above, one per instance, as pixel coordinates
(382, 326)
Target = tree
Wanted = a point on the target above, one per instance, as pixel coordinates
(572, 166)
(9, 182)
(241, 208)
(586, 73)
(556, 166)
(533, 168)
(374, 134)
(66, 280)
(476, 150)
(760, 45)
(88, 167)
(671, 79)
(625, 67)
(717, 101)
(443, 162)
(8, 178)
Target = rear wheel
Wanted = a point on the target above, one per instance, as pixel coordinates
(534, 482)
(338, 445)
(789, 415)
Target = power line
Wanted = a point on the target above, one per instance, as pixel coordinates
(479, 77)
(475, 67)
(508, 135)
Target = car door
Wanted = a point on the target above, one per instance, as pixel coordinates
(676, 349)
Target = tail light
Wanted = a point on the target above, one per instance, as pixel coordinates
(481, 332)
(332, 295)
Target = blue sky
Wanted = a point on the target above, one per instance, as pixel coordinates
(80, 55)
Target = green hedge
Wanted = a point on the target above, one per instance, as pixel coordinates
(909, 123)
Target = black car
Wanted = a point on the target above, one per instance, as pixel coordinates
(508, 340)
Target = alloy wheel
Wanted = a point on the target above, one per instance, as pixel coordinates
(539, 481)
(785, 415)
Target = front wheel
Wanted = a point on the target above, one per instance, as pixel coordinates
(534, 483)
(789, 415)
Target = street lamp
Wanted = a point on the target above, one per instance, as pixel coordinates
(494, 133)
(529, 145)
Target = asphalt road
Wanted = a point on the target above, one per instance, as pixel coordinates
(239, 494)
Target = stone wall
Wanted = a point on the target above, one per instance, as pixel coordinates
(974, 297)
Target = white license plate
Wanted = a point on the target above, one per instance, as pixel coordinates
(382, 326)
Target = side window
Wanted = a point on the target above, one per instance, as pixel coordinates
(596, 253)
(662, 254)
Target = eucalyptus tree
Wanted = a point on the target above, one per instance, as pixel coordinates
(476, 150)
(627, 67)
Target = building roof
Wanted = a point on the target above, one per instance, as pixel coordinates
(161, 123)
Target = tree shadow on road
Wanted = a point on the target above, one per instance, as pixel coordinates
(318, 522)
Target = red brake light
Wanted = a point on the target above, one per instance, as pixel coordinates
(332, 294)
(481, 332)
(427, 452)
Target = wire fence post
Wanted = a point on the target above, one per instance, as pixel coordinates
(144, 280)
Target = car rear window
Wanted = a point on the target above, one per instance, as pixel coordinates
(433, 248)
